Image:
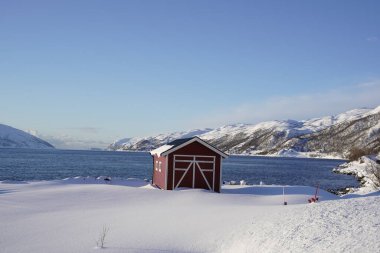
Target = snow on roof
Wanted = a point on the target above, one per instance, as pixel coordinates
(179, 143)
(172, 144)
(160, 150)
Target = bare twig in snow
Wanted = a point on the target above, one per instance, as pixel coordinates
(102, 237)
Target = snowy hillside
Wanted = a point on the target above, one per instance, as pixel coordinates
(149, 143)
(14, 138)
(326, 136)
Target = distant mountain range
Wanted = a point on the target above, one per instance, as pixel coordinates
(14, 138)
(318, 137)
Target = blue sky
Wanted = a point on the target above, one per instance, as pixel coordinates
(83, 73)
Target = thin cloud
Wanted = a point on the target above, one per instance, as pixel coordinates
(74, 137)
(306, 106)
(369, 84)
(373, 39)
(87, 130)
(69, 142)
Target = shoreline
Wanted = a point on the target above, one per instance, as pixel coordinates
(362, 171)
(108, 180)
(302, 155)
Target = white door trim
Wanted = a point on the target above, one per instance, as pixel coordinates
(192, 163)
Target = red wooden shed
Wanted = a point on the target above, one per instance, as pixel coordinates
(189, 162)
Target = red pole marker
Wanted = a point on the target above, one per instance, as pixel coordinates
(315, 198)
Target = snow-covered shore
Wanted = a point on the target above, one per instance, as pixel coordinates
(290, 153)
(68, 216)
(363, 169)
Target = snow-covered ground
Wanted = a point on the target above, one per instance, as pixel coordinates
(68, 216)
(296, 154)
(364, 169)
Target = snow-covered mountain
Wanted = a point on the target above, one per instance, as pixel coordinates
(14, 138)
(149, 143)
(330, 135)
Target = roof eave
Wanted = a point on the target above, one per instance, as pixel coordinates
(196, 138)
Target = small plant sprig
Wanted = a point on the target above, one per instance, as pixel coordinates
(102, 237)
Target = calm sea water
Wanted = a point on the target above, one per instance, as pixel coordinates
(32, 164)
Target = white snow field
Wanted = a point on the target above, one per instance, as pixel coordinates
(68, 216)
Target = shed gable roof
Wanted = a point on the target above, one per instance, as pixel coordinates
(179, 143)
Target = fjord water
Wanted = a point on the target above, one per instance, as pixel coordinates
(37, 164)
